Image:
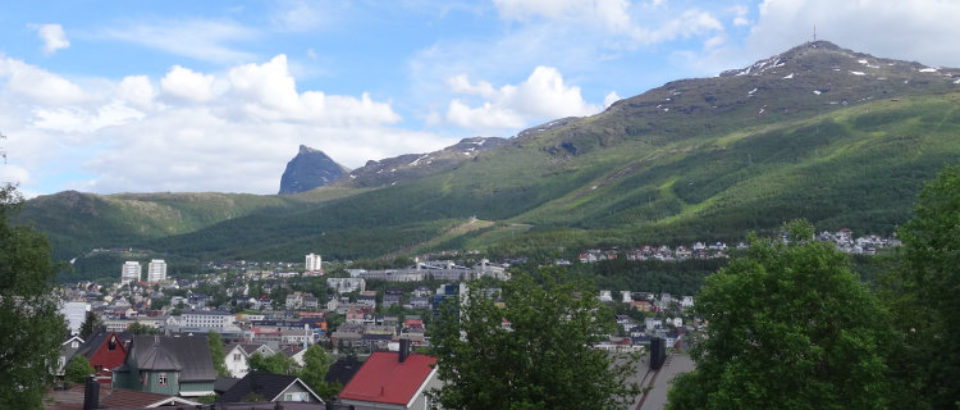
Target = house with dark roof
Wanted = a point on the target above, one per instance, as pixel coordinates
(67, 349)
(168, 365)
(111, 398)
(342, 371)
(392, 380)
(104, 350)
(263, 386)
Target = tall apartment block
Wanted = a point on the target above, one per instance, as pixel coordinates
(157, 271)
(131, 272)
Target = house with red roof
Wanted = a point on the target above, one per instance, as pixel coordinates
(104, 350)
(392, 380)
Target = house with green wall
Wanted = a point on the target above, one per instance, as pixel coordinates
(167, 365)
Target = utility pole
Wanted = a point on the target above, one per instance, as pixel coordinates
(814, 32)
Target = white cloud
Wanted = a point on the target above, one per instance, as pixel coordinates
(300, 15)
(77, 120)
(272, 91)
(38, 85)
(205, 40)
(188, 84)
(652, 25)
(486, 116)
(610, 99)
(543, 95)
(740, 16)
(613, 14)
(53, 36)
(233, 133)
(137, 90)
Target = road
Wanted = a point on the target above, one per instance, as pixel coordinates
(676, 364)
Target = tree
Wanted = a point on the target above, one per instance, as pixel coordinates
(277, 363)
(91, 325)
(77, 370)
(138, 328)
(789, 327)
(216, 352)
(536, 352)
(31, 328)
(922, 295)
(316, 363)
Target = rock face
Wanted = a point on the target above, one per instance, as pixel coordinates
(390, 171)
(311, 168)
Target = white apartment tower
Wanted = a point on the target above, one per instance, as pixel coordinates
(314, 264)
(157, 271)
(131, 272)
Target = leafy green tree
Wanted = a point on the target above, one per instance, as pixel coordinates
(277, 363)
(216, 352)
(31, 328)
(316, 363)
(138, 328)
(77, 370)
(533, 353)
(923, 296)
(789, 327)
(91, 325)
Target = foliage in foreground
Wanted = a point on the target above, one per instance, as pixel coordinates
(31, 328)
(316, 363)
(922, 294)
(77, 370)
(789, 327)
(533, 353)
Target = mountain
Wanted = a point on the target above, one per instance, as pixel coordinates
(310, 169)
(390, 171)
(841, 138)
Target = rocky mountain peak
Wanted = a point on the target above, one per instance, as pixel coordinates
(311, 168)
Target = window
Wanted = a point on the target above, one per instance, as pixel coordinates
(162, 380)
(113, 344)
(288, 397)
(236, 357)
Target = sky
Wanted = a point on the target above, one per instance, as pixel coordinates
(198, 96)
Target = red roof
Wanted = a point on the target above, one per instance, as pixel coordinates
(383, 379)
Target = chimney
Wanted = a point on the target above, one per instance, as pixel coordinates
(404, 349)
(91, 393)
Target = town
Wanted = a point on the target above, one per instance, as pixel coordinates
(358, 317)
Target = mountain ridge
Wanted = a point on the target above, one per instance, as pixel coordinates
(812, 132)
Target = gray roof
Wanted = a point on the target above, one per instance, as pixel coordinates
(189, 354)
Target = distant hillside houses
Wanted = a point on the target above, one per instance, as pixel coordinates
(864, 245)
(844, 240)
(436, 270)
(664, 253)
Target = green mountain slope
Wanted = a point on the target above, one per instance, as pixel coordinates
(840, 138)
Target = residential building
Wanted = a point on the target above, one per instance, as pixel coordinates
(168, 365)
(75, 313)
(67, 349)
(389, 380)
(157, 271)
(105, 351)
(270, 387)
(207, 320)
(236, 358)
(347, 285)
(131, 272)
(314, 264)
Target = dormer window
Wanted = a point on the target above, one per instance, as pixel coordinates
(162, 380)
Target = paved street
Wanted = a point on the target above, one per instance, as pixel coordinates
(676, 364)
